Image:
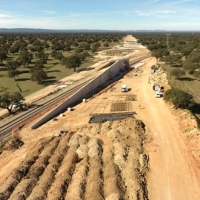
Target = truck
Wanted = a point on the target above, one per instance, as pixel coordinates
(156, 87)
(124, 88)
(159, 94)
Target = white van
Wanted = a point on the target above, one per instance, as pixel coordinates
(124, 88)
(159, 94)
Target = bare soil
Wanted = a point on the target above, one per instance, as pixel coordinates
(81, 165)
(152, 155)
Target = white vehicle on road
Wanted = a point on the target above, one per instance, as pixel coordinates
(18, 104)
(159, 94)
(124, 88)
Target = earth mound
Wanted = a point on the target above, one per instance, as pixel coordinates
(104, 160)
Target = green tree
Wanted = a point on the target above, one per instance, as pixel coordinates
(186, 51)
(14, 49)
(95, 47)
(158, 53)
(43, 56)
(67, 47)
(106, 44)
(177, 73)
(85, 46)
(12, 67)
(38, 65)
(3, 55)
(179, 98)
(197, 74)
(38, 75)
(72, 62)
(172, 59)
(7, 100)
(79, 50)
(13, 74)
(53, 53)
(188, 65)
(25, 58)
(83, 55)
(59, 56)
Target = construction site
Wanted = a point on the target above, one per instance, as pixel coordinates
(111, 145)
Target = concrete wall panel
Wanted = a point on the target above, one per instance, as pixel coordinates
(112, 71)
(76, 96)
(95, 83)
(104, 76)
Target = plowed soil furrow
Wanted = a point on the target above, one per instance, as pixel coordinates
(94, 185)
(36, 170)
(74, 140)
(41, 189)
(112, 185)
(95, 147)
(130, 175)
(24, 190)
(12, 181)
(7, 187)
(37, 149)
(50, 148)
(83, 140)
(120, 155)
(62, 179)
(76, 189)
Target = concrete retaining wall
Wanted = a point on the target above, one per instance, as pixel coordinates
(109, 73)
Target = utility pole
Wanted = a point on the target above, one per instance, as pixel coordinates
(167, 40)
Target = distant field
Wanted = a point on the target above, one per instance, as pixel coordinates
(189, 84)
(55, 71)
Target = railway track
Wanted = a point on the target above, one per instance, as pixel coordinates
(5, 129)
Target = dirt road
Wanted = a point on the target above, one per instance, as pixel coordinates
(174, 174)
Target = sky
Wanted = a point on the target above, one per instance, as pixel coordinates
(177, 15)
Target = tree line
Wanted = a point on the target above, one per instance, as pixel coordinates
(29, 46)
(32, 52)
(181, 51)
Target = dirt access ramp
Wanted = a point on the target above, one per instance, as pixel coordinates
(105, 161)
(174, 172)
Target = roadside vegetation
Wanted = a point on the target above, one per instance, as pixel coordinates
(179, 55)
(30, 62)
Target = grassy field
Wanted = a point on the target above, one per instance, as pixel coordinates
(189, 84)
(55, 71)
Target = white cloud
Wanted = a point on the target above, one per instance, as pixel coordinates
(48, 12)
(178, 2)
(166, 12)
(74, 15)
(151, 2)
(5, 16)
(159, 13)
